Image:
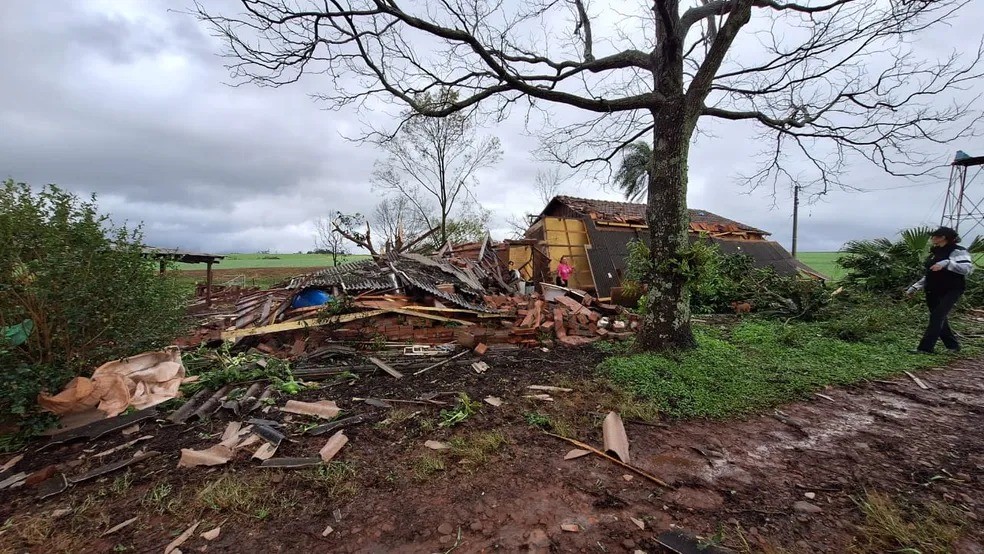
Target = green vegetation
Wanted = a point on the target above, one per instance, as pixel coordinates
(537, 419)
(719, 280)
(465, 408)
(823, 262)
(336, 479)
(760, 363)
(262, 260)
(477, 448)
(890, 526)
(83, 284)
(427, 465)
(219, 367)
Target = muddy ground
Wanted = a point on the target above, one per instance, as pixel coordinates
(505, 486)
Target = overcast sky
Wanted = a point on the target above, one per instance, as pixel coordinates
(129, 100)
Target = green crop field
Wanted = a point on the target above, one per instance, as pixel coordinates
(260, 261)
(823, 262)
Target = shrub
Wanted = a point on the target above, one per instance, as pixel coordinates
(881, 265)
(83, 284)
(717, 280)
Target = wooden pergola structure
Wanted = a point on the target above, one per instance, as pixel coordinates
(165, 255)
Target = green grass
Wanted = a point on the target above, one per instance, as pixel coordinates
(758, 364)
(823, 262)
(258, 261)
(892, 525)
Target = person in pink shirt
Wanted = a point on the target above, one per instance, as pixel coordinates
(564, 271)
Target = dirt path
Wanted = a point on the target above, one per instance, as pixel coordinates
(741, 480)
(889, 437)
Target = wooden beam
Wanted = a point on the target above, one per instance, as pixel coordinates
(428, 316)
(386, 367)
(236, 334)
(208, 284)
(454, 310)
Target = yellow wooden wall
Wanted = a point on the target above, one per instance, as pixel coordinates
(568, 237)
(521, 255)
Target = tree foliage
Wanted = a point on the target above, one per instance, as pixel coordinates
(718, 280)
(884, 265)
(82, 282)
(632, 177)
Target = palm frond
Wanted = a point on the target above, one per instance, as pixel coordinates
(632, 176)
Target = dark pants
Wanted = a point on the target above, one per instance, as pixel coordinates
(560, 282)
(940, 304)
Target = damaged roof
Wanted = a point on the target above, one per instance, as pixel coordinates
(354, 276)
(606, 211)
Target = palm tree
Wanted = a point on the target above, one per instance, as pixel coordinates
(883, 265)
(633, 174)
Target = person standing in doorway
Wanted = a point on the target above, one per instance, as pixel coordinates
(947, 268)
(564, 271)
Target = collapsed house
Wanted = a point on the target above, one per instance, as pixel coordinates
(595, 234)
(460, 296)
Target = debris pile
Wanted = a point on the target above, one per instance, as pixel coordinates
(411, 298)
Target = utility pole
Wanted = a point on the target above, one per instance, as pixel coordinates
(796, 204)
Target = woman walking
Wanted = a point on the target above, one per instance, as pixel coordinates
(947, 266)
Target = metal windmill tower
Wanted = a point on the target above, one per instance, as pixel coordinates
(963, 206)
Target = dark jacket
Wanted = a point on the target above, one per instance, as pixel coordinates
(957, 264)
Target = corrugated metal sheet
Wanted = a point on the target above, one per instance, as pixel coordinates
(608, 252)
(766, 253)
(353, 276)
(426, 273)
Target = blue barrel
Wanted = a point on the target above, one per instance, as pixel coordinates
(310, 297)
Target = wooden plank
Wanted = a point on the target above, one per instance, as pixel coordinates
(428, 316)
(293, 325)
(455, 310)
(385, 367)
(266, 309)
(917, 380)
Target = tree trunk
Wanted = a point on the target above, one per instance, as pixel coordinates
(666, 325)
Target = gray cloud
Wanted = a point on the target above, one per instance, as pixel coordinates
(128, 100)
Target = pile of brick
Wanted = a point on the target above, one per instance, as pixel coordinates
(410, 300)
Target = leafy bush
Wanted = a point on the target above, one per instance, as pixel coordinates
(84, 285)
(881, 265)
(717, 280)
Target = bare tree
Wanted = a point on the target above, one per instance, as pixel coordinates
(547, 185)
(399, 221)
(434, 160)
(330, 240)
(394, 218)
(835, 76)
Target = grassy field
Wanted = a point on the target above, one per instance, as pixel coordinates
(824, 262)
(759, 363)
(259, 261)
